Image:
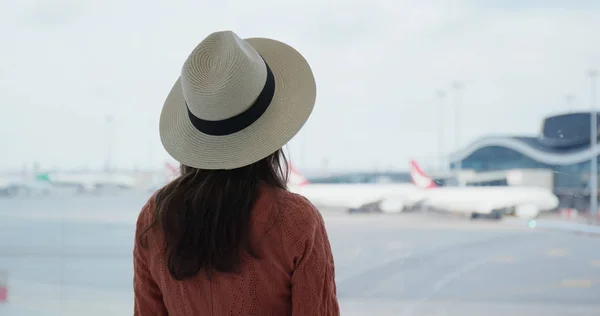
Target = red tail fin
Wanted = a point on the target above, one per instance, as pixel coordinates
(420, 178)
(296, 178)
(172, 171)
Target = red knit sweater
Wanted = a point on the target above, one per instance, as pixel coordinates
(294, 277)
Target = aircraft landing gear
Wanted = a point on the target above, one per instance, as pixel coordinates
(494, 215)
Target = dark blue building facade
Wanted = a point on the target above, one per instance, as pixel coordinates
(563, 146)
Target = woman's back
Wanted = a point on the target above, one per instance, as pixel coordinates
(288, 235)
(226, 237)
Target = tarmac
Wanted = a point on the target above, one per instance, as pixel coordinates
(386, 264)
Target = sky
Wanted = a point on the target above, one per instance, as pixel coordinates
(68, 64)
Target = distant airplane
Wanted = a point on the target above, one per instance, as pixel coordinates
(24, 186)
(362, 197)
(88, 182)
(521, 201)
(45, 183)
(172, 172)
(378, 197)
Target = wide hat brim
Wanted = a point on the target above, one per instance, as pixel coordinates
(290, 108)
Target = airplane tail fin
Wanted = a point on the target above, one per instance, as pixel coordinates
(172, 172)
(44, 177)
(419, 177)
(296, 178)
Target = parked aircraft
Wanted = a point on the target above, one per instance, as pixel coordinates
(496, 201)
(48, 182)
(170, 172)
(378, 197)
(23, 186)
(89, 182)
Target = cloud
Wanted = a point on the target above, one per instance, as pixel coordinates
(378, 65)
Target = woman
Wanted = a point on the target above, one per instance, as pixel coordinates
(226, 237)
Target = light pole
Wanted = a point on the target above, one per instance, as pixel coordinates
(441, 94)
(457, 86)
(151, 142)
(570, 101)
(108, 162)
(593, 75)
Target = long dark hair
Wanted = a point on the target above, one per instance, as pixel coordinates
(205, 215)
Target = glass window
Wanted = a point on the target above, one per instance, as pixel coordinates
(494, 158)
(498, 158)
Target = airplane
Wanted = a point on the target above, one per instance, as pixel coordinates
(170, 173)
(9, 187)
(24, 186)
(495, 201)
(44, 183)
(356, 197)
(89, 182)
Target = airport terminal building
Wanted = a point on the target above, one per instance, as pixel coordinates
(559, 158)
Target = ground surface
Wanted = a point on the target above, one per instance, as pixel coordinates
(400, 264)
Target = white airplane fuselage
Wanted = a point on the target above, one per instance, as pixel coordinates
(484, 200)
(522, 201)
(91, 181)
(355, 195)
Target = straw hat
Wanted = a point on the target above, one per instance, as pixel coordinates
(236, 102)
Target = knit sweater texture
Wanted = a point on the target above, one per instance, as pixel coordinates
(294, 275)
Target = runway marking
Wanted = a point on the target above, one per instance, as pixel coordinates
(575, 283)
(503, 259)
(445, 280)
(558, 252)
(595, 263)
